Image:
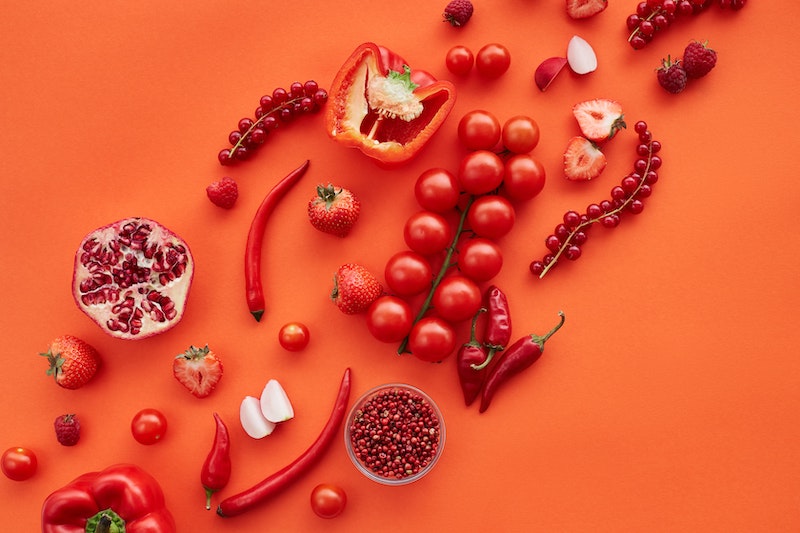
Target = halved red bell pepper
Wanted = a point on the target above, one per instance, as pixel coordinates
(121, 498)
(379, 105)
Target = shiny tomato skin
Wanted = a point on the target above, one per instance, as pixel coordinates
(524, 177)
(479, 130)
(148, 426)
(19, 464)
(408, 273)
(457, 298)
(427, 232)
(389, 318)
(328, 500)
(432, 339)
(480, 259)
(480, 172)
(294, 336)
(491, 216)
(520, 134)
(437, 190)
(459, 60)
(492, 60)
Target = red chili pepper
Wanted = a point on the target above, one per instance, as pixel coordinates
(379, 105)
(254, 291)
(516, 358)
(123, 495)
(216, 470)
(468, 360)
(497, 334)
(267, 488)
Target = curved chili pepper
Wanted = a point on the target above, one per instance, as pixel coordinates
(516, 358)
(267, 488)
(497, 334)
(216, 470)
(254, 291)
(470, 356)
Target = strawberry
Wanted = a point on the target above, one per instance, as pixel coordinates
(73, 362)
(583, 160)
(223, 193)
(354, 288)
(458, 12)
(698, 59)
(599, 119)
(68, 429)
(198, 369)
(581, 9)
(671, 75)
(333, 210)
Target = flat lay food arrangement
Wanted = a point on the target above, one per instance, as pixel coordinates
(492, 266)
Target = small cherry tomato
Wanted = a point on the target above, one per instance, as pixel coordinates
(493, 60)
(491, 216)
(480, 259)
(427, 232)
(436, 189)
(19, 463)
(389, 318)
(457, 298)
(520, 134)
(480, 172)
(148, 426)
(524, 177)
(432, 339)
(294, 336)
(328, 500)
(479, 130)
(459, 60)
(408, 273)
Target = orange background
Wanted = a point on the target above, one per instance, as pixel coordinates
(668, 402)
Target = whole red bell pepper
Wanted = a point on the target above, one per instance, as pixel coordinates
(121, 498)
(381, 106)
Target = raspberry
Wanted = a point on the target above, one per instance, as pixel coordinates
(698, 59)
(68, 429)
(671, 76)
(458, 12)
(223, 193)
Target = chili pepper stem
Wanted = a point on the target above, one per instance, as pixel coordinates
(540, 340)
(489, 357)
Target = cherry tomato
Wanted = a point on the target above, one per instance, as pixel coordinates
(389, 318)
(479, 130)
(520, 134)
(459, 60)
(480, 259)
(328, 500)
(408, 273)
(457, 298)
(524, 177)
(480, 172)
(493, 60)
(432, 339)
(148, 426)
(491, 216)
(294, 336)
(427, 233)
(19, 463)
(436, 189)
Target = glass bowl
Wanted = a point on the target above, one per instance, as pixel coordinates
(391, 442)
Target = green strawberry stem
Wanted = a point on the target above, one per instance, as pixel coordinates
(442, 271)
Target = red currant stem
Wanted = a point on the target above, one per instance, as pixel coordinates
(591, 221)
(258, 122)
(446, 265)
(649, 17)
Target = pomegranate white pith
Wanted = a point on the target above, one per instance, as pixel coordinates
(132, 277)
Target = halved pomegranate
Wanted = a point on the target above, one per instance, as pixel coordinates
(132, 277)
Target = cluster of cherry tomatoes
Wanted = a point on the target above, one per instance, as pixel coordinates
(453, 240)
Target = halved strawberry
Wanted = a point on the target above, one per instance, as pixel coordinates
(583, 160)
(599, 119)
(581, 9)
(198, 369)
